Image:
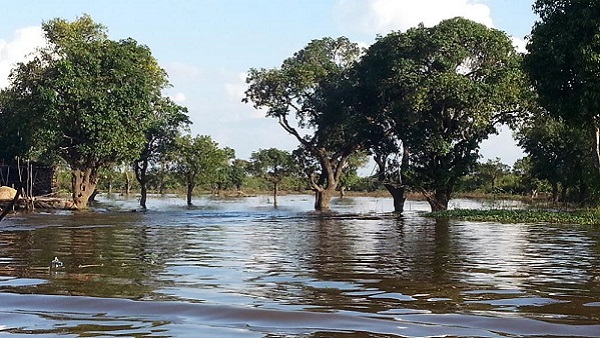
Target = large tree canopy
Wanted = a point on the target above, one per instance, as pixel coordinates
(311, 88)
(84, 98)
(439, 92)
(564, 61)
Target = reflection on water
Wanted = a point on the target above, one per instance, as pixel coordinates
(240, 268)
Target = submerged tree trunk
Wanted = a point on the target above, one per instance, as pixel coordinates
(140, 174)
(325, 189)
(323, 199)
(275, 191)
(143, 195)
(83, 184)
(190, 191)
(93, 196)
(439, 200)
(342, 191)
(161, 182)
(399, 196)
(127, 182)
(394, 181)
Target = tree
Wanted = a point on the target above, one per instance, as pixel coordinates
(558, 152)
(222, 179)
(378, 97)
(198, 161)
(163, 174)
(563, 62)
(490, 171)
(312, 87)
(233, 175)
(529, 183)
(85, 98)
(166, 120)
(238, 173)
(15, 135)
(273, 165)
(438, 92)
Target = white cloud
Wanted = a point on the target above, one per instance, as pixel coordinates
(23, 43)
(382, 16)
(520, 44)
(178, 97)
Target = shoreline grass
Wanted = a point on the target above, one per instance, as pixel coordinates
(589, 217)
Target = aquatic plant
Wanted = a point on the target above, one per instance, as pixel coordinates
(583, 217)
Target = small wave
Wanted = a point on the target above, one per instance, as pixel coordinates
(133, 314)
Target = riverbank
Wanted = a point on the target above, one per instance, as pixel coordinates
(589, 217)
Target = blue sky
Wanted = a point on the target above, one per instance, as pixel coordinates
(206, 46)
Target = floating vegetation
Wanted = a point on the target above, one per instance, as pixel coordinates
(582, 217)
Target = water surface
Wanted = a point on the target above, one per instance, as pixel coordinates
(240, 268)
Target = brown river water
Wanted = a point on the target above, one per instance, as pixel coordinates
(240, 268)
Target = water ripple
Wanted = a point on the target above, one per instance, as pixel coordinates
(239, 267)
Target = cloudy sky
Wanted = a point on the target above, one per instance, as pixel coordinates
(207, 46)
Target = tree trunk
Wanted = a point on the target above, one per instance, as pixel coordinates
(328, 179)
(554, 193)
(597, 145)
(93, 196)
(143, 195)
(162, 174)
(275, 190)
(127, 182)
(190, 191)
(83, 183)
(439, 200)
(399, 196)
(140, 174)
(396, 185)
(323, 199)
